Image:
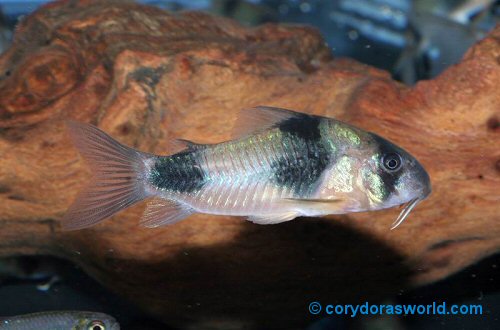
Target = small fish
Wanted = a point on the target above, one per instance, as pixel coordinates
(60, 320)
(281, 165)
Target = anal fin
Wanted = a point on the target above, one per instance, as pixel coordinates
(269, 219)
(161, 212)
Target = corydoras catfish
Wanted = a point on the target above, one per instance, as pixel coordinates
(283, 165)
(60, 320)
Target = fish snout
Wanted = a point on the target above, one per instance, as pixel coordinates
(423, 181)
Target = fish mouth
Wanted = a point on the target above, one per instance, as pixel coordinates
(405, 212)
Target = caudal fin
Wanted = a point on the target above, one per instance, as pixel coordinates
(117, 182)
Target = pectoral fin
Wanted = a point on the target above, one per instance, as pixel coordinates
(323, 206)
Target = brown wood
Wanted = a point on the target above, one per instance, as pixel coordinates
(147, 76)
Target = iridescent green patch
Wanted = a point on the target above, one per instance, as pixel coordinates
(376, 190)
(346, 134)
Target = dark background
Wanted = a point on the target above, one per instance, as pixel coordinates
(413, 40)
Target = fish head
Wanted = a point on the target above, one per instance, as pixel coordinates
(367, 172)
(391, 177)
(96, 321)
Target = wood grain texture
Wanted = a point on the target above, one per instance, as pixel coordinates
(147, 76)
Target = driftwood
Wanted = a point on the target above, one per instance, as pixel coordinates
(147, 76)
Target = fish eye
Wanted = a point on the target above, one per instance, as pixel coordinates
(392, 161)
(96, 325)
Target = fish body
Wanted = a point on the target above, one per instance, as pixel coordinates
(284, 164)
(60, 320)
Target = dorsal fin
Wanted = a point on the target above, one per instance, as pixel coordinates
(260, 118)
(178, 145)
(190, 144)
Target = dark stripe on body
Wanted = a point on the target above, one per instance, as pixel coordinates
(303, 126)
(177, 173)
(390, 179)
(305, 157)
